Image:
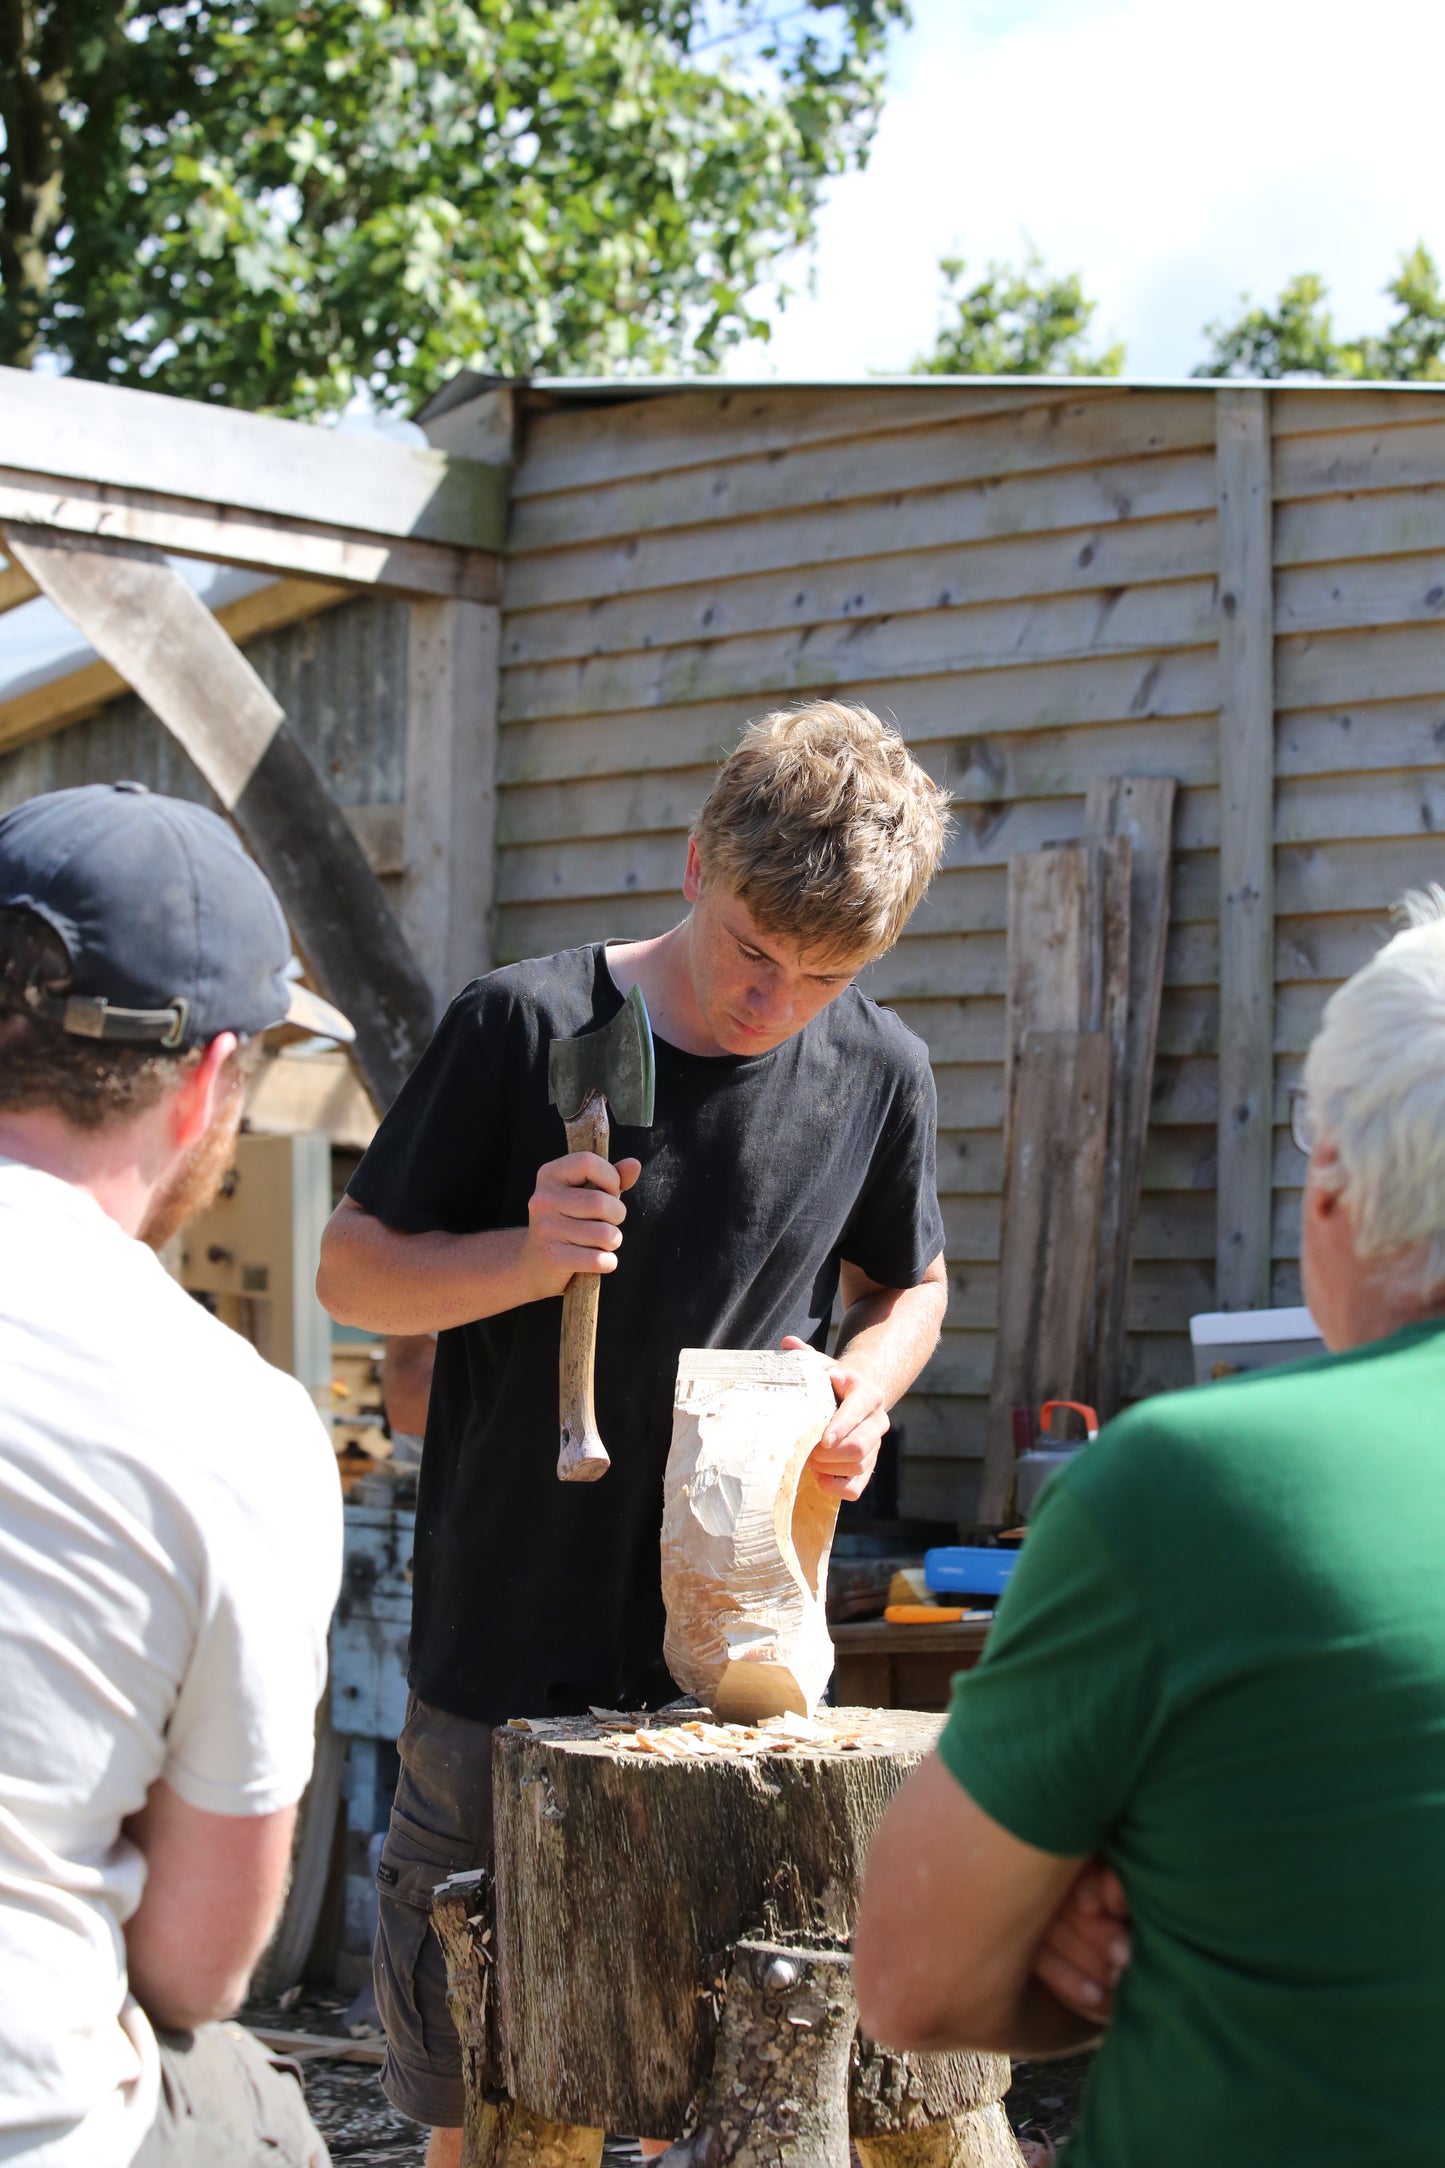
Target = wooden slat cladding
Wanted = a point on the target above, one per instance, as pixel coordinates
(1024, 577)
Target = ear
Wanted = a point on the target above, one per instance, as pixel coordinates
(692, 872)
(1322, 1183)
(201, 1093)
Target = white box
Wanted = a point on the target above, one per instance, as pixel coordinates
(1227, 1342)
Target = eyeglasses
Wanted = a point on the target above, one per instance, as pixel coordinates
(1301, 1121)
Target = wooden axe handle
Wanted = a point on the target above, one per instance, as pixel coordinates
(583, 1456)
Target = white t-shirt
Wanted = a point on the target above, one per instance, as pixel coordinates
(170, 1553)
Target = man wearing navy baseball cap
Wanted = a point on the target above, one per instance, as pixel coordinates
(170, 1523)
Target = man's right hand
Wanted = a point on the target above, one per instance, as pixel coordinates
(1086, 1949)
(574, 1218)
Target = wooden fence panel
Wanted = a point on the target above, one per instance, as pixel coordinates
(1027, 579)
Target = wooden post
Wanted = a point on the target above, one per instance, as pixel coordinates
(1141, 809)
(143, 619)
(449, 820)
(1052, 1191)
(1246, 849)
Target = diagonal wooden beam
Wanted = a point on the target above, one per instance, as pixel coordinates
(15, 587)
(143, 619)
(77, 693)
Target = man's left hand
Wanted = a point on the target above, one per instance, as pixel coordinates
(845, 1455)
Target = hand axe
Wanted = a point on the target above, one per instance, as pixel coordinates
(611, 1067)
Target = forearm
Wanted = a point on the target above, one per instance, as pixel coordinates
(387, 1282)
(891, 1332)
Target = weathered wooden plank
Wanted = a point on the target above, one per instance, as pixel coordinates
(1068, 433)
(378, 829)
(1334, 530)
(77, 431)
(1246, 861)
(66, 699)
(961, 1363)
(16, 586)
(1372, 593)
(1140, 811)
(969, 900)
(1348, 877)
(1186, 1093)
(1360, 738)
(958, 641)
(970, 1161)
(1343, 463)
(257, 541)
(1052, 1187)
(1056, 904)
(1354, 808)
(451, 760)
(1100, 560)
(1315, 950)
(580, 447)
(1299, 410)
(1164, 1294)
(1122, 490)
(645, 862)
(938, 1490)
(541, 929)
(1333, 669)
(970, 1027)
(983, 773)
(975, 963)
(1049, 696)
(142, 618)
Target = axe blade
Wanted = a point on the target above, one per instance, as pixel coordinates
(616, 1061)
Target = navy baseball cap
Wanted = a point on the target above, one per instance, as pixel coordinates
(174, 935)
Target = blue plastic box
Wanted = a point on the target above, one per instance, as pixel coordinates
(962, 1569)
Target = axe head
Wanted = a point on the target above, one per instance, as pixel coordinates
(616, 1061)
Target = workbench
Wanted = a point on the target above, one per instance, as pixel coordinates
(880, 1666)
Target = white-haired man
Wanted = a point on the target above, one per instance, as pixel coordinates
(1221, 1666)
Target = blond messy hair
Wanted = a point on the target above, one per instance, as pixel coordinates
(825, 826)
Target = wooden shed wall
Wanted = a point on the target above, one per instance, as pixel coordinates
(341, 677)
(1026, 579)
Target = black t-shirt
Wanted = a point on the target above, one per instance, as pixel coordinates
(760, 1172)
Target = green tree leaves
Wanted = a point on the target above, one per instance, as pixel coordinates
(1017, 322)
(278, 203)
(1296, 337)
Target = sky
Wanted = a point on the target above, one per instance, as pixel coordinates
(1174, 156)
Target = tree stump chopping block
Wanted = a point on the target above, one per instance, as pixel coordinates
(635, 1858)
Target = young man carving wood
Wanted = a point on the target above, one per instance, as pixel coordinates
(791, 1157)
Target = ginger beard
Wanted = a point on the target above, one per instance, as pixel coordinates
(196, 1182)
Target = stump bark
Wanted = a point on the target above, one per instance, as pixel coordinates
(778, 2094)
(625, 1881)
(929, 2111)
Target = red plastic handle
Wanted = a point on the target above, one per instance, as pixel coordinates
(1080, 1407)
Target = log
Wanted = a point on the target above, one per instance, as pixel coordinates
(627, 1874)
(746, 1532)
(498, 2133)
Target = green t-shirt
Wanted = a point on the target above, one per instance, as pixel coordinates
(1221, 1663)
